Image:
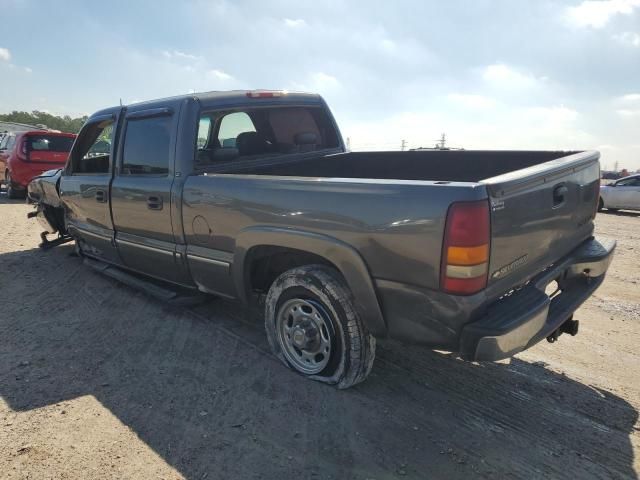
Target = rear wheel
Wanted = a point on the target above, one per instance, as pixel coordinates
(8, 184)
(313, 327)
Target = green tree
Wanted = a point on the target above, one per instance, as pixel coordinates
(64, 124)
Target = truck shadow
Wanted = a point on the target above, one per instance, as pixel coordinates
(6, 200)
(200, 388)
(621, 213)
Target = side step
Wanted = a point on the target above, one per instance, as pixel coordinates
(155, 288)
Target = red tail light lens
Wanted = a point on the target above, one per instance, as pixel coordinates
(466, 248)
(24, 154)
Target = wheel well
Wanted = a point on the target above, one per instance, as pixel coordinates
(265, 263)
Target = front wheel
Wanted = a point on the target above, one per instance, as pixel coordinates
(313, 327)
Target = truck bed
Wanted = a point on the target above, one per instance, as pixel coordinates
(542, 204)
(450, 165)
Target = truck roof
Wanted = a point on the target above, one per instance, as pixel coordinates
(229, 97)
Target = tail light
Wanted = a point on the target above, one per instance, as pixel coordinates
(465, 253)
(24, 153)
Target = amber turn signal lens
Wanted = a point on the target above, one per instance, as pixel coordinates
(467, 255)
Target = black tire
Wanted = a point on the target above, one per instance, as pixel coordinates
(600, 204)
(613, 210)
(77, 249)
(322, 289)
(8, 185)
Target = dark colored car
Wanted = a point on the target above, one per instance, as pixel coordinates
(251, 196)
(25, 155)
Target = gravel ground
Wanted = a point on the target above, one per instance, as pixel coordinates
(98, 381)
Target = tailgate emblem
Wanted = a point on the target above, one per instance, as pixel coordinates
(507, 269)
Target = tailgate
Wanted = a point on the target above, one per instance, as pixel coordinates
(48, 157)
(538, 215)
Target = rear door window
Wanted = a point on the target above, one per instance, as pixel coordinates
(146, 146)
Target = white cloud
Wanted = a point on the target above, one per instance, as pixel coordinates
(219, 74)
(597, 13)
(318, 82)
(502, 75)
(28, 69)
(324, 79)
(471, 100)
(628, 38)
(177, 54)
(388, 46)
(625, 112)
(629, 98)
(553, 115)
(5, 54)
(295, 23)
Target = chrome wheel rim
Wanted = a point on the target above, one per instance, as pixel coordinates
(304, 335)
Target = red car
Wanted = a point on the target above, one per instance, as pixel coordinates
(25, 155)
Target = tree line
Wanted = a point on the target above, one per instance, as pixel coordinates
(64, 123)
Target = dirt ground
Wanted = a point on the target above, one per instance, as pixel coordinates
(98, 381)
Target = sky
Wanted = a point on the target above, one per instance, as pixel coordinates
(491, 74)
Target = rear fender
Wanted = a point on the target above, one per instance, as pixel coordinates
(344, 257)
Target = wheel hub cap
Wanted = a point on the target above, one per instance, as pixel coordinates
(303, 328)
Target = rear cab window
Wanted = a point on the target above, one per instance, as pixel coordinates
(227, 136)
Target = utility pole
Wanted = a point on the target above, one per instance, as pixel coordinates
(349, 143)
(615, 166)
(403, 145)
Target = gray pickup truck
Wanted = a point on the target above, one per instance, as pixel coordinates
(252, 196)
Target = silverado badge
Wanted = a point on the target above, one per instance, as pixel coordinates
(507, 269)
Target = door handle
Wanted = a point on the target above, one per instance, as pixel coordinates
(101, 196)
(154, 203)
(559, 194)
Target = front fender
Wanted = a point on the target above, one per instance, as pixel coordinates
(343, 256)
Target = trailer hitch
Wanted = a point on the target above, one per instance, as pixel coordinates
(571, 327)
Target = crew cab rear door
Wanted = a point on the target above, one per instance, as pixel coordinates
(84, 186)
(141, 193)
(539, 214)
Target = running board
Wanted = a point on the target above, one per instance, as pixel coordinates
(176, 296)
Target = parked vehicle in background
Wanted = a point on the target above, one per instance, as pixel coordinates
(25, 155)
(621, 194)
(252, 196)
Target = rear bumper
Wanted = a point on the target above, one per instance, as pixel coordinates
(528, 315)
